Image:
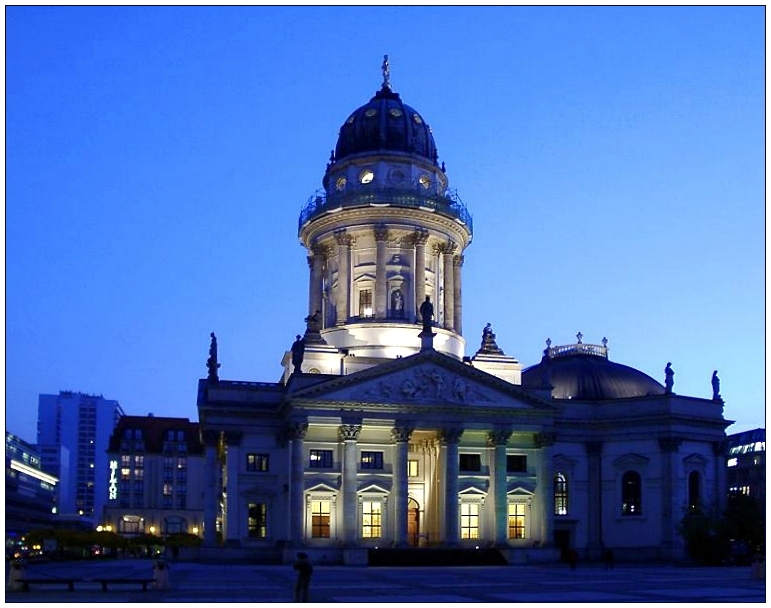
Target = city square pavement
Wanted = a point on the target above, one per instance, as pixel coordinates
(194, 582)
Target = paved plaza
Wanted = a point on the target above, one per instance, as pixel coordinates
(193, 583)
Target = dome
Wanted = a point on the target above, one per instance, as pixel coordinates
(385, 124)
(583, 372)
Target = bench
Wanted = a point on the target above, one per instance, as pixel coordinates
(124, 581)
(70, 582)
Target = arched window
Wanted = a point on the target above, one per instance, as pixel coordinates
(560, 494)
(694, 490)
(631, 494)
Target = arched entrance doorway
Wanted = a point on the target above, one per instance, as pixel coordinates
(413, 522)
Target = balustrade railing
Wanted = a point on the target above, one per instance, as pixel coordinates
(448, 204)
(574, 349)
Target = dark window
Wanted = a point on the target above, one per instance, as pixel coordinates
(516, 463)
(470, 462)
(258, 520)
(560, 494)
(694, 490)
(397, 304)
(257, 462)
(321, 459)
(372, 460)
(631, 494)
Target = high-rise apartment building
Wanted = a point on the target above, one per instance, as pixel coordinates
(82, 424)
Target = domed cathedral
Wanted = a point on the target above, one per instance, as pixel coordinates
(384, 442)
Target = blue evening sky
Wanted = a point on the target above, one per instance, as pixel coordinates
(157, 159)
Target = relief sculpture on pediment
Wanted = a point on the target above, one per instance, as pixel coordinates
(423, 385)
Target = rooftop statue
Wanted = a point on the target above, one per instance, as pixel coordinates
(298, 353)
(212, 363)
(313, 329)
(669, 380)
(716, 387)
(426, 314)
(489, 345)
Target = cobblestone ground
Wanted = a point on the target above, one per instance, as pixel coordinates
(193, 583)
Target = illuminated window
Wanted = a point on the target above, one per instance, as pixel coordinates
(732, 462)
(167, 489)
(412, 468)
(469, 520)
(258, 520)
(372, 460)
(560, 494)
(365, 303)
(320, 514)
(631, 494)
(321, 459)
(516, 520)
(257, 462)
(371, 519)
(366, 176)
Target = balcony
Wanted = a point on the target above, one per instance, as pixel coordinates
(448, 205)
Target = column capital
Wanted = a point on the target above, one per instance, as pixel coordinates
(349, 432)
(210, 438)
(546, 439)
(670, 444)
(451, 435)
(381, 232)
(458, 261)
(447, 248)
(419, 237)
(401, 432)
(319, 250)
(295, 430)
(233, 437)
(594, 448)
(343, 238)
(498, 437)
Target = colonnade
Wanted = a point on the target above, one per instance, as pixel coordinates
(451, 263)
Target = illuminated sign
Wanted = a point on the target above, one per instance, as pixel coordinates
(113, 480)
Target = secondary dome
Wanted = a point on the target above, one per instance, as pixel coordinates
(583, 371)
(385, 124)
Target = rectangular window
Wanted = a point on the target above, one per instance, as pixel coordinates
(470, 462)
(139, 461)
(320, 515)
(469, 520)
(371, 516)
(258, 520)
(167, 489)
(365, 303)
(372, 460)
(517, 520)
(560, 494)
(257, 463)
(412, 468)
(321, 459)
(139, 473)
(516, 463)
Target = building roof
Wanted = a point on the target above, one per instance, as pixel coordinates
(385, 124)
(153, 430)
(584, 372)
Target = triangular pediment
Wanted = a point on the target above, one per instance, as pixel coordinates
(372, 488)
(631, 460)
(521, 490)
(429, 377)
(695, 459)
(473, 489)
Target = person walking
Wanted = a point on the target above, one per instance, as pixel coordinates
(304, 571)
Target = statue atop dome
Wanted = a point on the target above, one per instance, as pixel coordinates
(386, 73)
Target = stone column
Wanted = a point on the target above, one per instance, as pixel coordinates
(669, 447)
(458, 296)
(421, 237)
(545, 489)
(381, 290)
(401, 436)
(343, 295)
(447, 250)
(349, 433)
(232, 521)
(720, 450)
(211, 489)
(450, 438)
(594, 522)
(316, 264)
(498, 439)
(295, 434)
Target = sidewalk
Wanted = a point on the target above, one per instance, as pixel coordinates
(195, 583)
